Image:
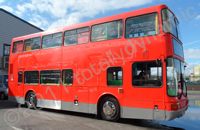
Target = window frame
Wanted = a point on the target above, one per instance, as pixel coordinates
(32, 83)
(51, 84)
(162, 79)
(122, 24)
(52, 35)
(24, 49)
(77, 33)
(63, 83)
(158, 24)
(119, 86)
(15, 52)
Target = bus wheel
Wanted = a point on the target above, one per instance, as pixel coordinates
(31, 100)
(110, 109)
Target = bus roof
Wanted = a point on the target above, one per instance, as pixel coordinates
(94, 22)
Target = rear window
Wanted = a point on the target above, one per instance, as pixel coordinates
(32, 44)
(107, 31)
(18, 47)
(52, 40)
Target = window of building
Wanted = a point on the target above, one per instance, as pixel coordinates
(107, 31)
(140, 26)
(31, 77)
(147, 74)
(114, 76)
(77, 36)
(32, 44)
(50, 77)
(52, 40)
(1, 79)
(18, 47)
(68, 77)
(20, 77)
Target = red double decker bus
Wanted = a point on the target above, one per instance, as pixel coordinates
(129, 65)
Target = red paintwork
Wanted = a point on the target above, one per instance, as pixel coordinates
(81, 57)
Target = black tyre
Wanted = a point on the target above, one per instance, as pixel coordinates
(31, 100)
(110, 109)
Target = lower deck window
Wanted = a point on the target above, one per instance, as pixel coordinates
(31, 77)
(114, 76)
(50, 77)
(147, 74)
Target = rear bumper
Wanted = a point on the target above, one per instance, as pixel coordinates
(170, 115)
(151, 114)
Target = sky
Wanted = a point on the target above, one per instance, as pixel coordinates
(48, 14)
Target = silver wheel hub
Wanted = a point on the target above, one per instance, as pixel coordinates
(109, 108)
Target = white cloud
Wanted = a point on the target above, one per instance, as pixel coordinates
(192, 54)
(7, 8)
(1, 1)
(65, 12)
(197, 17)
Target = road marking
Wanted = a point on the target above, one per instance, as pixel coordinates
(15, 128)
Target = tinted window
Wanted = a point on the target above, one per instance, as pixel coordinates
(68, 77)
(170, 23)
(140, 26)
(147, 74)
(52, 40)
(18, 46)
(107, 31)
(178, 48)
(31, 77)
(50, 77)
(77, 36)
(20, 77)
(114, 76)
(32, 44)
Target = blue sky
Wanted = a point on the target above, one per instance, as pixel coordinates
(48, 14)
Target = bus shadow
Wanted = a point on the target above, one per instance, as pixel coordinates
(148, 124)
(135, 122)
(5, 104)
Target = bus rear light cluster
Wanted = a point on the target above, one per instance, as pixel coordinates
(175, 106)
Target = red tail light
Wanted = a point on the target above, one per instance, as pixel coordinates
(174, 106)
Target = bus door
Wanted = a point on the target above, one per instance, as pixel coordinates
(147, 88)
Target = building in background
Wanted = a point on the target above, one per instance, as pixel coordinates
(195, 76)
(11, 26)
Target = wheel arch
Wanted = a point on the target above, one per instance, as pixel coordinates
(100, 99)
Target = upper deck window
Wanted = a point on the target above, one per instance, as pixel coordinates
(77, 36)
(18, 46)
(52, 40)
(107, 31)
(140, 26)
(170, 22)
(32, 44)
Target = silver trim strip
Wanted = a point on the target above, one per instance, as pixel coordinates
(52, 104)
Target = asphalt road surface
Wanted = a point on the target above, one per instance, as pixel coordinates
(13, 117)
